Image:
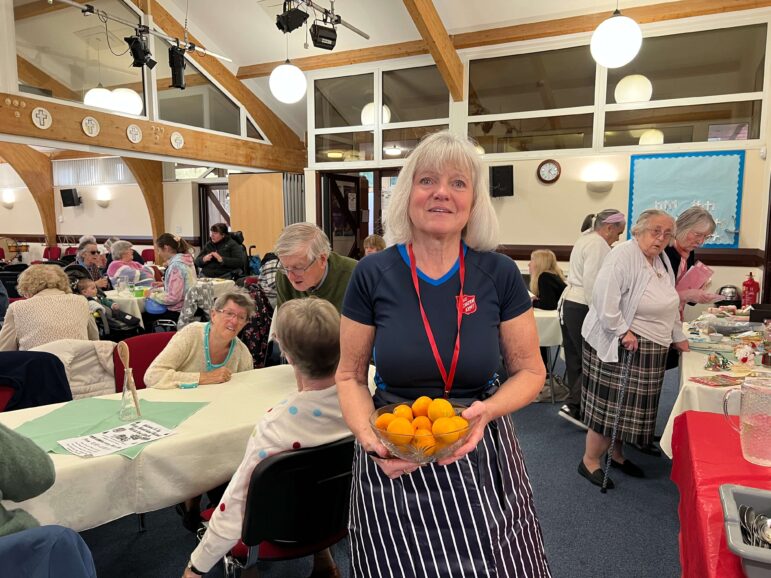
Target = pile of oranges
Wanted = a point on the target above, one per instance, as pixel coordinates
(427, 425)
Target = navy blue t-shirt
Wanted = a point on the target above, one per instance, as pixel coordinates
(381, 294)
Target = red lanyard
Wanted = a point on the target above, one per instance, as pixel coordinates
(447, 378)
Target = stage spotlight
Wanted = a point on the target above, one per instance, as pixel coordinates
(139, 52)
(177, 63)
(323, 36)
(290, 19)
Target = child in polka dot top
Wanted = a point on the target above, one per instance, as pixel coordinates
(309, 333)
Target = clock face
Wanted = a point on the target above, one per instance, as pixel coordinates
(548, 171)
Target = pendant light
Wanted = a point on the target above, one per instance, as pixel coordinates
(123, 100)
(98, 96)
(287, 82)
(616, 41)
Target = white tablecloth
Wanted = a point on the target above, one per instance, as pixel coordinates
(548, 322)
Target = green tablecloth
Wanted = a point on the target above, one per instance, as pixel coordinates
(91, 415)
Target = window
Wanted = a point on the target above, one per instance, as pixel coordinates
(345, 147)
(415, 94)
(252, 131)
(533, 134)
(398, 143)
(340, 102)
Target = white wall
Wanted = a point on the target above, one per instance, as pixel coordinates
(180, 202)
(126, 214)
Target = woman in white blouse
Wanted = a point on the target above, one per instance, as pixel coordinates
(633, 318)
(598, 233)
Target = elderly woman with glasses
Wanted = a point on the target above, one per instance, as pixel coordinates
(88, 258)
(206, 353)
(123, 266)
(632, 320)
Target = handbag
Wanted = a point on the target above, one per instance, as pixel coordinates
(126, 318)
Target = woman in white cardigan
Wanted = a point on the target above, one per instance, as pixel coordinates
(206, 353)
(635, 313)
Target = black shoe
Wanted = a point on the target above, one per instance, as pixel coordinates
(628, 468)
(572, 413)
(594, 477)
(650, 449)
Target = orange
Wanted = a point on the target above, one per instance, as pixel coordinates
(404, 411)
(400, 431)
(420, 406)
(424, 441)
(440, 408)
(445, 430)
(460, 423)
(422, 422)
(383, 420)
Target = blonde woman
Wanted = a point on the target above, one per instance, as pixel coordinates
(547, 282)
(50, 311)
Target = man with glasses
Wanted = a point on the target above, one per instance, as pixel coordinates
(307, 266)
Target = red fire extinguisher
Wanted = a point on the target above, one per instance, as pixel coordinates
(751, 290)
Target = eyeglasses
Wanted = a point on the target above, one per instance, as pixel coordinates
(92, 252)
(230, 315)
(698, 237)
(660, 233)
(295, 270)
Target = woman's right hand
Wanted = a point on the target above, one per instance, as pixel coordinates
(391, 466)
(629, 341)
(219, 375)
(101, 282)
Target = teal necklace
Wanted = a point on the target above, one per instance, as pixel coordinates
(209, 365)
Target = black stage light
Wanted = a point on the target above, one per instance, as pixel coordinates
(177, 63)
(290, 19)
(139, 52)
(323, 36)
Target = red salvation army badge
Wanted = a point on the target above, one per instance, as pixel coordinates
(469, 304)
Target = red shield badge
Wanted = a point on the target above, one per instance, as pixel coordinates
(469, 305)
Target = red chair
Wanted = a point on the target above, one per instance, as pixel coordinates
(2, 254)
(52, 253)
(148, 255)
(143, 349)
(71, 251)
(6, 393)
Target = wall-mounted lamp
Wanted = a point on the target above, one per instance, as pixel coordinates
(599, 177)
(9, 198)
(103, 198)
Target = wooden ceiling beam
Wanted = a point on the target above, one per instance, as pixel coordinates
(34, 76)
(39, 7)
(271, 125)
(200, 145)
(149, 177)
(429, 24)
(529, 31)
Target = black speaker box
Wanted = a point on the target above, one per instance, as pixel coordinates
(502, 181)
(70, 197)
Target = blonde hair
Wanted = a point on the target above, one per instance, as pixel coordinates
(437, 152)
(374, 242)
(36, 278)
(308, 330)
(544, 261)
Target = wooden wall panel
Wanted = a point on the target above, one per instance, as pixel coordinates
(257, 208)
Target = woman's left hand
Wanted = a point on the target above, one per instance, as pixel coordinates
(190, 574)
(681, 345)
(480, 412)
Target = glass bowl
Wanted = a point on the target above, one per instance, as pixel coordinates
(421, 449)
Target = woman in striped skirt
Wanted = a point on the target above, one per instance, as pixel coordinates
(633, 319)
(439, 308)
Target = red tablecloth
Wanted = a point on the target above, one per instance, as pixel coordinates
(706, 453)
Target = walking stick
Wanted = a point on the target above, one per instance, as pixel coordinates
(626, 366)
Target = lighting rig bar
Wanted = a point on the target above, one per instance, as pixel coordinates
(332, 18)
(143, 30)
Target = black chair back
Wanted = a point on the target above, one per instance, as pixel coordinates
(300, 497)
(10, 279)
(17, 267)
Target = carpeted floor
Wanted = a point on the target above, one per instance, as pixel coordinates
(630, 532)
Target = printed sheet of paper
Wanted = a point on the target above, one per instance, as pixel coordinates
(115, 439)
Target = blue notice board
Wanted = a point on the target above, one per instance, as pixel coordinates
(674, 182)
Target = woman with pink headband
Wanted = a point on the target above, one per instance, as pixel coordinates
(598, 233)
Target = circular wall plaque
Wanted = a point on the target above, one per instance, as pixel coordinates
(177, 140)
(41, 118)
(90, 126)
(134, 133)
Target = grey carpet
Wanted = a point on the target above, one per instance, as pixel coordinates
(630, 532)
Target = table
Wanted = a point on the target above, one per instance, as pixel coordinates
(203, 453)
(694, 396)
(707, 454)
(548, 323)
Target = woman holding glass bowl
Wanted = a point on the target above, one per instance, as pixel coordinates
(439, 307)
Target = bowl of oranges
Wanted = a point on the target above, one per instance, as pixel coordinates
(425, 431)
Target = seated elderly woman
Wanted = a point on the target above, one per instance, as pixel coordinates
(206, 353)
(123, 266)
(309, 333)
(632, 320)
(88, 261)
(49, 313)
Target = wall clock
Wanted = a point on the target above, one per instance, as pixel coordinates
(548, 171)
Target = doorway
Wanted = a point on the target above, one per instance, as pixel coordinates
(213, 206)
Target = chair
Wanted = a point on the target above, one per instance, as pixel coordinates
(10, 279)
(143, 349)
(148, 255)
(70, 251)
(6, 393)
(36, 378)
(297, 504)
(52, 253)
(199, 296)
(2, 254)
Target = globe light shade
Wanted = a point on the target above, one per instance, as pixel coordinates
(368, 114)
(652, 136)
(127, 100)
(287, 83)
(98, 97)
(616, 41)
(633, 88)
